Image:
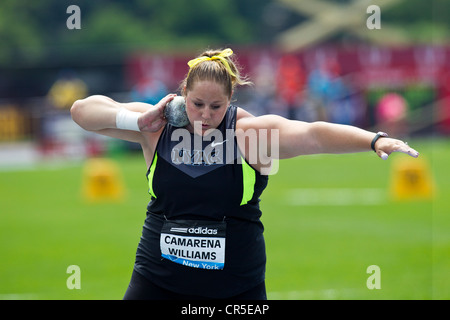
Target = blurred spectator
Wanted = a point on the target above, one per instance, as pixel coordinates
(290, 83)
(341, 100)
(262, 99)
(66, 90)
(391, 114)
(149, 90)
(318, 85)
(330, 95)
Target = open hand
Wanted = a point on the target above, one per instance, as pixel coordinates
(385, 146)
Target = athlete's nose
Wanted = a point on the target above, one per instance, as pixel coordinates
(206, 114)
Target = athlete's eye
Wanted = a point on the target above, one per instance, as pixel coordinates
(215, 107)
(198, 104)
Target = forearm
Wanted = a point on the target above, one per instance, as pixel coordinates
(97, 112)
(336, 138)
(127, 121)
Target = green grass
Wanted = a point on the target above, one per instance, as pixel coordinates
(314, 251)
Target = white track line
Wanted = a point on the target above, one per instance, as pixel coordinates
(335, 196)
(18, 296)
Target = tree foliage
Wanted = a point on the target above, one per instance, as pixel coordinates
(34, 32)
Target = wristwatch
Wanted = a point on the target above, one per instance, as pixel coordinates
(378, 136)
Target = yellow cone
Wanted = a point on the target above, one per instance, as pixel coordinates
(102, 181)
(411, 179)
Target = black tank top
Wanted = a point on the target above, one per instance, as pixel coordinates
(197, 185)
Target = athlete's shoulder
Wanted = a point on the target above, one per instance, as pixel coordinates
(243, 114)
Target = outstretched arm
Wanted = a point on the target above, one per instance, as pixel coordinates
(335, 138)
(302, 138)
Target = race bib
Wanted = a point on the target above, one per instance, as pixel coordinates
(194, 243)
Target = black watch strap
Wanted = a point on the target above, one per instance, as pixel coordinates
(378, 136)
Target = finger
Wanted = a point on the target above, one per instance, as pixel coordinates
(405, 148)
(410, 151)
(170, 97)
(383, 155)
(164, 101)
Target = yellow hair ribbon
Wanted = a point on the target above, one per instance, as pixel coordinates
(221, 56)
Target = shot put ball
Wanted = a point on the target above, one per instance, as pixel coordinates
(175, 112)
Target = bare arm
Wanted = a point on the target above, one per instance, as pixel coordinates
(95, 113)
(301, 138)
(98, 114)
(336, 138)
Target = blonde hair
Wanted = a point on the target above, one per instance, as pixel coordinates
(215, 65)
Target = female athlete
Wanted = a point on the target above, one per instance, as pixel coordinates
(202, 237)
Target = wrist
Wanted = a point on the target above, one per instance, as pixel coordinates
(376, 138)
(127, 119)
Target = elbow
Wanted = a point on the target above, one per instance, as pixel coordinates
(92, 113)
(77, 112)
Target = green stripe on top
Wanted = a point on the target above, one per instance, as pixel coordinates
(248, 180)
(151, 174)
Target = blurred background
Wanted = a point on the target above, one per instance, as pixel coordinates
(309, 60)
